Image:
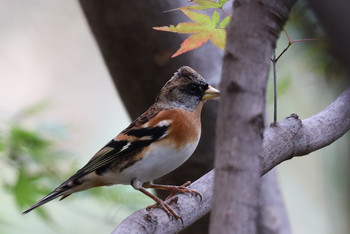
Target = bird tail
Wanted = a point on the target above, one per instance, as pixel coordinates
(59, 191)
(72, 185)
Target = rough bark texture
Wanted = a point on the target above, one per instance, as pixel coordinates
(188, 207)
(138, 59)
(293, 137)
(192, 208)
(251, 36)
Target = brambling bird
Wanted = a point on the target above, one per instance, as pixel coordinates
(156, 143)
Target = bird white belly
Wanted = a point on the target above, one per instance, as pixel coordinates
(157, 162)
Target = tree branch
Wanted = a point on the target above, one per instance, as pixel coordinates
(291, 137)
(190, 208)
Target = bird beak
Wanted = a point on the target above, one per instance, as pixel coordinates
(210, 93)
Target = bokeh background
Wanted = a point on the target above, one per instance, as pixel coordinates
(59, 106)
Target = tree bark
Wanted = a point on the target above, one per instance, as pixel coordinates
(292, 135)
(251, 36)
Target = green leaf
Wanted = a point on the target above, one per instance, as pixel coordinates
(204, 28)
(31, 163)
(26, 192)
(215, 18)
(26, 189)
(182, 28)
(219, 38)
(25, 138)
(27, 143)
(224, 22)
(198, 18)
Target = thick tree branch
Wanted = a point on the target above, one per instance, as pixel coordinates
(291, 135)
(190, 208)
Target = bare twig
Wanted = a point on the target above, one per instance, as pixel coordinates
(225, 12)
(290, 42)
(274, 61)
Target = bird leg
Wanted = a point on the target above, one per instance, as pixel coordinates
(174, 190)
(136, 184)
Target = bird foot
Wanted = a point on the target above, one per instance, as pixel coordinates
(162, 204)
(174, 190)
(182, 189)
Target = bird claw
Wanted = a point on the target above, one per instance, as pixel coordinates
(174, 190)
(163, 205)
(183, 189)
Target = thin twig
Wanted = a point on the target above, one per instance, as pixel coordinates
(290, 42)
(274, 61)
(285, 49)
(225, 12)
(287, 35)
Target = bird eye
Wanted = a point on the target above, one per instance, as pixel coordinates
(193, 88)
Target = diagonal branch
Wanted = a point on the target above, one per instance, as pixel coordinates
(190, 208)
(290, 137)
(293, 137)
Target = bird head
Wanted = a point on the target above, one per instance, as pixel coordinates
(186, 89)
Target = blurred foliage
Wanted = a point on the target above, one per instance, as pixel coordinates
(33, 164)
(283, 85)
(304, 24)
(30, 158)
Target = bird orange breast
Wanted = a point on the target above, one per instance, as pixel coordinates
(185, 126)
